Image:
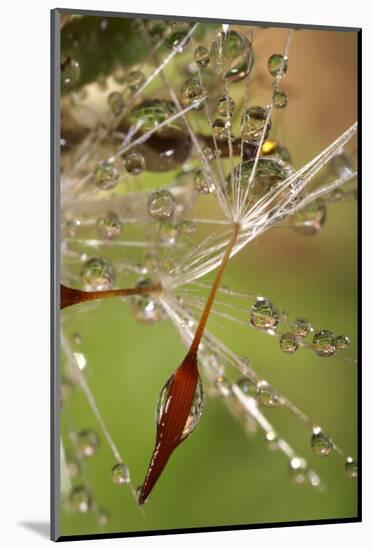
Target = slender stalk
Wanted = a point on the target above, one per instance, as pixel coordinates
(73, 296)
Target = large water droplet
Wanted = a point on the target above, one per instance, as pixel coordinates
(253, 123)
(289, 342)
(301, 327)
(192, 91)
(120, 474)
(320, 442)
(310, 220)
(106, 176)
(80, 499)
(351, 468)
(231, 56)
(201, 56)
(277, 64)
(264, 315)
(109, 226)
(266, 395)
(152, 112)
(97, 274)
(324, 343)
(87, 442)
(195, 411)
(161, 204)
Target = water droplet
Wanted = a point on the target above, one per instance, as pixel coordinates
(152, 112)
(310, 220)
(245, 385)
(341, 165)
(135, 80)
(195, 411)
(264, 315)
(209, 153)
(175, 33)
(351, 468)
(97, 274)
(116, 103)
(201, 56)
(253, 123)
(298, 470)
(134, 163)
(220, 129)
(342, 342)
(279, 99)
(106, 176)
(277, 64)
(324, 343)
(161, 204)
(70, 73)
(301, 327)
(187, 227)
(145, 308)
(289, 342)
(266, 395)
(226, 106)
(168, 232)
(231, 56)
(320, 443)
(109, 226)
(87, 442)
(120, 474)
(102, 517)
(192, 91)
(80, 499)
(202, 183)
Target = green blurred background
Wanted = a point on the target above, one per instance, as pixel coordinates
(219, 476)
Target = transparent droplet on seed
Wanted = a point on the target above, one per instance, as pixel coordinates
(168, 232)
(288, 342)
(320, 443)
(277, 64)
(280, 99)
(264, 315)
(202, 183)
(97, 274)
(351, 468)
(324, 343)
(266, 395)
(192, 91)
(187, 227)
(109, 226)
(134, 163)
(253, 123)
(342, 342)
(175, 33)
(301, 327)
(201, 56)
(226, 106)
(161, 204)
(87, 442)
(135, 80)
(195, 411)
(80, 499)
(105, 175)
(70, 74)
(145, 308)
(116, 103)
(220, 129)
(120, 474)
(341, 164)
(310, 220)
(231, 56)
(152, 112)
